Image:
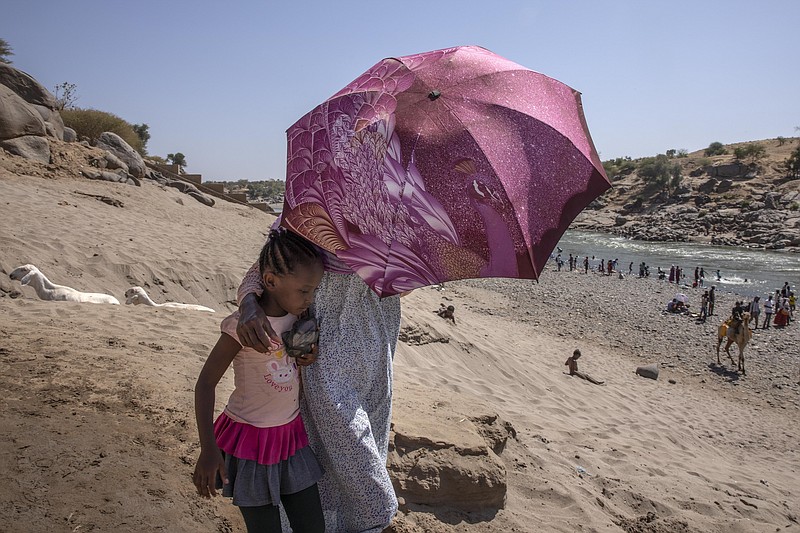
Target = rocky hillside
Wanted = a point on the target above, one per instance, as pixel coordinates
(719, 199)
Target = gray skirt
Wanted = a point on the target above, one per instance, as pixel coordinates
(253, 484)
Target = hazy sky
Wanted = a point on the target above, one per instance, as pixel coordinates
(222, 81)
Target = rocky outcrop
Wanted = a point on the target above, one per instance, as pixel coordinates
(118, 177)
(117, 146)
(734, 170)
(17, 117)
(109, 161)
(34, 93)
(27, 115)
(22, 129)
(29, 147)
(717, 200)
(24, 85)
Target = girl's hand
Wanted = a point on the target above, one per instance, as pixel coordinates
(205, 472)
(254, 329)
(309, 358)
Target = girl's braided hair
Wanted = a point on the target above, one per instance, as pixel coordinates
(284, 250)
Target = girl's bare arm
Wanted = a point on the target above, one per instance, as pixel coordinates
(210, 461)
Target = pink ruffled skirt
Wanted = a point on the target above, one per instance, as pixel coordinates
(266, 446)
(263, 463)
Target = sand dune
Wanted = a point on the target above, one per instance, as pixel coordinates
(98, 427)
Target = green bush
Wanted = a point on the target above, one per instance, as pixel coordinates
(90, 123)
(715, 148)
(659, 171)
(621, 166)
(753, 152)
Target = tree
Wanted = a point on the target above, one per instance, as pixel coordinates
(676, 177)
(660, 172)
(5, 51)
(143, 131)
(754, 152)
(66, 95)
(621, 166)
(177, 159)
(792, 164)
(715, 148)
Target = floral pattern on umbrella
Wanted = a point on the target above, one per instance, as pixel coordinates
(444, 165)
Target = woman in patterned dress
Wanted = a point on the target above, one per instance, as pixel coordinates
(347, 392)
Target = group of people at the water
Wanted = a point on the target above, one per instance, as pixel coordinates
(778, 308)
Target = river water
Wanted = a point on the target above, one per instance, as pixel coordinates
(746, 271)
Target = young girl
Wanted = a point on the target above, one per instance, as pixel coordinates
(258, 446)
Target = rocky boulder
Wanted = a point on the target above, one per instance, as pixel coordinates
(724, 186)
(702, 199)
(119, 176)
(70, 135)
(28, 146)
(109, 161)
(771, 200)
(707, 186)
(26, 87)
(731, 170)
(22, 129)
(54, 125)
(17, 117)
(114, 144)
(34, 93)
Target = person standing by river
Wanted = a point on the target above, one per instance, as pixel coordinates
(711, 299)
(755, 310)
(704, 307)
(768, 307)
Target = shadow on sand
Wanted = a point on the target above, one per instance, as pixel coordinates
(723, 371)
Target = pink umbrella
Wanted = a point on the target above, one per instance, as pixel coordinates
(444, 165)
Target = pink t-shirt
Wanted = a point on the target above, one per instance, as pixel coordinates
(267, 392)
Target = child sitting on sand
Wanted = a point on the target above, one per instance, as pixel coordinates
(258, 446)
(447, 312)
(572, 364)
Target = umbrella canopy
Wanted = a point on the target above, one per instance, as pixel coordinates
(682, 298)
(443, 165)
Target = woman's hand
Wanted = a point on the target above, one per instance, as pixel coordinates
(254, 329)
(205, 472)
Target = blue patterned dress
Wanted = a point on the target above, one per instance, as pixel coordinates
(347, 402)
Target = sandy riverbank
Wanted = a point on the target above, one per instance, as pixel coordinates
(98, 431)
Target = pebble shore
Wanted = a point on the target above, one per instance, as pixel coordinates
(628, 316)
